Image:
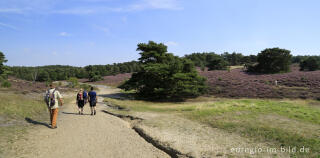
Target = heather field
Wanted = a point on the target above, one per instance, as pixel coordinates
(238, 83)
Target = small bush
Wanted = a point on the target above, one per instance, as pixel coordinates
(218, 63)
(96, 78)
(6, 84)
(73, 82)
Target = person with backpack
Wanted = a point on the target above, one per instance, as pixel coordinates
(80, 101)
(92, 101)
(53, 98)
(85, 96)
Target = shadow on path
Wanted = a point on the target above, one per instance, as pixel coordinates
(29, 120)
(73, 113)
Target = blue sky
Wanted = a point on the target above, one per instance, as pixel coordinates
(83, 32)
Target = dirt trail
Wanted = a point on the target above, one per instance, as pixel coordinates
(85, 136)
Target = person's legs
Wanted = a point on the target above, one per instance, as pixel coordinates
(50, 114)
(79, 108)
(54, 118)
(81, 104)
(91, 109)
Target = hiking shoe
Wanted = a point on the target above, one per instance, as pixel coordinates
(79, 112)
(92, 113)
(95, 112)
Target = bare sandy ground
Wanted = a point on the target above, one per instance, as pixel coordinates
(85, 136)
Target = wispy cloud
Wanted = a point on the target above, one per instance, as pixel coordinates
(137, 6)
(64, 34)
(95, 7)
(8, 26)
(156, 4)
(84, 10)
(12, 10)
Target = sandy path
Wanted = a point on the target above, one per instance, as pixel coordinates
(85, 136)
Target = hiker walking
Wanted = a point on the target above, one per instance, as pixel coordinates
(92, 101)
(80, 101)
(53, 98)
(85, 96)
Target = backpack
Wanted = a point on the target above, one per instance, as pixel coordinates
(80, 96)
(50, 98)
(85, 95)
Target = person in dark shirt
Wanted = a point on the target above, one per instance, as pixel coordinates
(93, 101)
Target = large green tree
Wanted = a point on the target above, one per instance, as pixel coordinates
(163, 75)
(272, 60)
(3, 69)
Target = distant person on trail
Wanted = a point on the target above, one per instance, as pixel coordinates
(80, 101)
(92, 101)
(53, 98)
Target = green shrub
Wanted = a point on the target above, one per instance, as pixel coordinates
(218, 63)
(6, 84)
(311, 64)
(272, 60)
(73, 82)
(96, 78)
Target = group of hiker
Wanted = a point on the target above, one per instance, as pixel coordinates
(53, 99)
(83, 97)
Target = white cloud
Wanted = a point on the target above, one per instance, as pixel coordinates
(95, 7)
(171, 43)
(8, 26)
(156, 4)
(64, 34)
(137, 6)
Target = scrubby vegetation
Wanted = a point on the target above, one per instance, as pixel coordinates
(163, 75)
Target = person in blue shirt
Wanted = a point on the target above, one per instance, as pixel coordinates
(93, 101)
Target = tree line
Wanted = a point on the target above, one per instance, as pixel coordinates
(62, 72)
(279, 59)
(271, 60)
